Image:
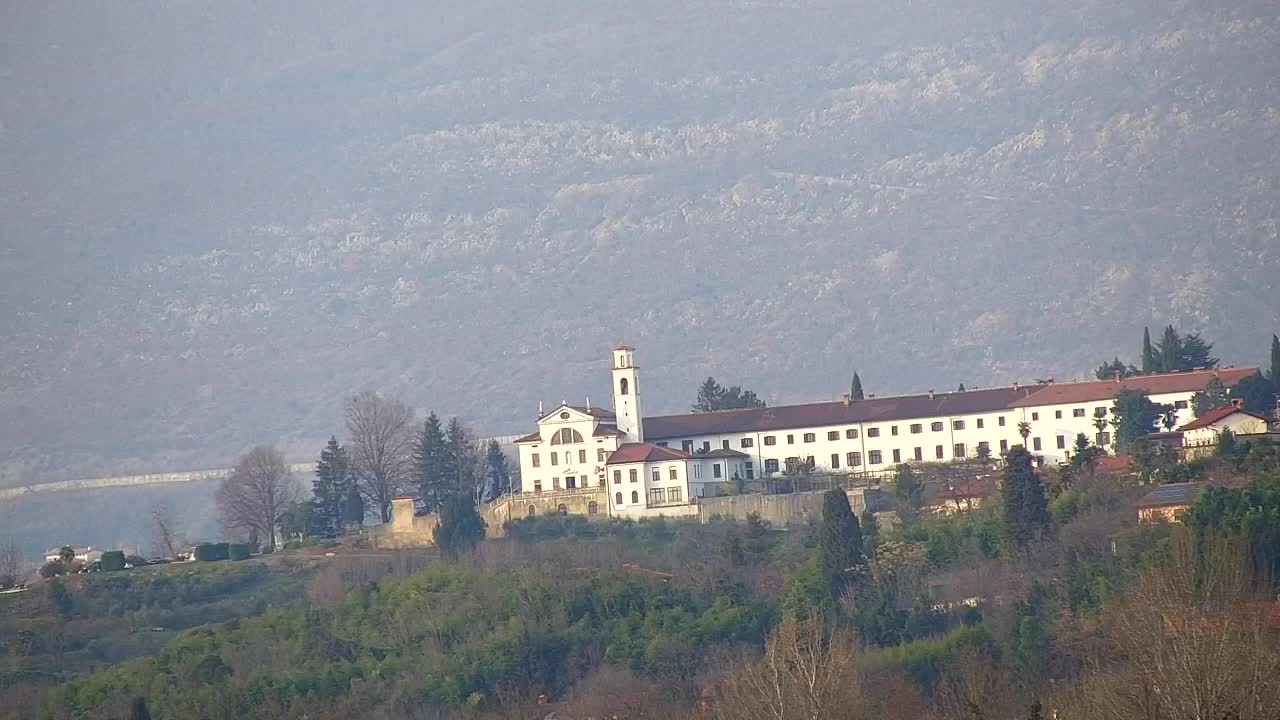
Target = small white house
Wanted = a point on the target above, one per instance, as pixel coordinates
(1200, 436)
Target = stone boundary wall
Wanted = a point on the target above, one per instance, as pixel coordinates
(786, 509)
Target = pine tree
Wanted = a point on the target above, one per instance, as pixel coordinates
(1149, 365)
(1026, 510)
(1275, 362)
(840, 544)
(1196, 352)
(428, 459)
(710, 396)
(498, 471)
(333, 475)
(461, 527)
(138, 709)
(459, 466)
(855, 389)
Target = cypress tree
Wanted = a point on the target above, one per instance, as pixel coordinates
(1275, 362)
(870, 533)
(840, 544)
(497, 471)
(352, 507)
(328, 490)
(1148, 355)
(855, 389)
(1026, 509)
(1170, 350)
(428, 459)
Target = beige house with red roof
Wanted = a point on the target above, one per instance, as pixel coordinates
(637, 466)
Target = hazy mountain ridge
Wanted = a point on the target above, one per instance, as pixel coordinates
(451, 211)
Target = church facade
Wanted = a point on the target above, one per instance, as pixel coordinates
(633, 466)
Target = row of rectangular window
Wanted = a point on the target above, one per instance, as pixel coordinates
(832, 435)
(536, 459)
(570, 483)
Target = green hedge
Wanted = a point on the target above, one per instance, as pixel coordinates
(239, 551)
(211, 552)
(113, 560)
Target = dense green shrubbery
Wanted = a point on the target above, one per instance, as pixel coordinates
(239, 551)
(440, 636)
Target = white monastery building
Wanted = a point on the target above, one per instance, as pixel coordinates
(661, 465)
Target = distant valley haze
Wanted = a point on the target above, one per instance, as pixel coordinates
(220, 220)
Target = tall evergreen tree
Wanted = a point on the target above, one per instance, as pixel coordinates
(328, 490)
(1196, 352)
(1275, 362)
(498, 472)
(1149, 363)
(855, 389)
(1255, 393)
(459, 462)
(1169, 351)
(461, 527)
(840, 544)
(1026, 509)
(713, 396)
(138, 709)
(870, 533)
(428, 463)
(352, 507)
(710, 395)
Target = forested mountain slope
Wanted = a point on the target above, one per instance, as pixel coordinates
(219, 220)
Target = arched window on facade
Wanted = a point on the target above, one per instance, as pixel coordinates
(617, 499)
(593, 508)
(566, 436)
(623, 386)
(562, 509)
(529, 511)
(635, 496)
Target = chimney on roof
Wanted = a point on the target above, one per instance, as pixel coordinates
(930, 393)
(1015, 385)
(844, 399)
(1117, 376)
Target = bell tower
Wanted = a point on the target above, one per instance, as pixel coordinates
(626, 395)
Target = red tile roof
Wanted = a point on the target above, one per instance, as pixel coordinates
(644, 452)
(1214, 416)
(1099, 390)
(832, 413)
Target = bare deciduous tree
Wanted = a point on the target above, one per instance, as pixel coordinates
(807, 672)
(164, 526)
(381, 447)
(256, 494)
(1195, 639)
(10, 563)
